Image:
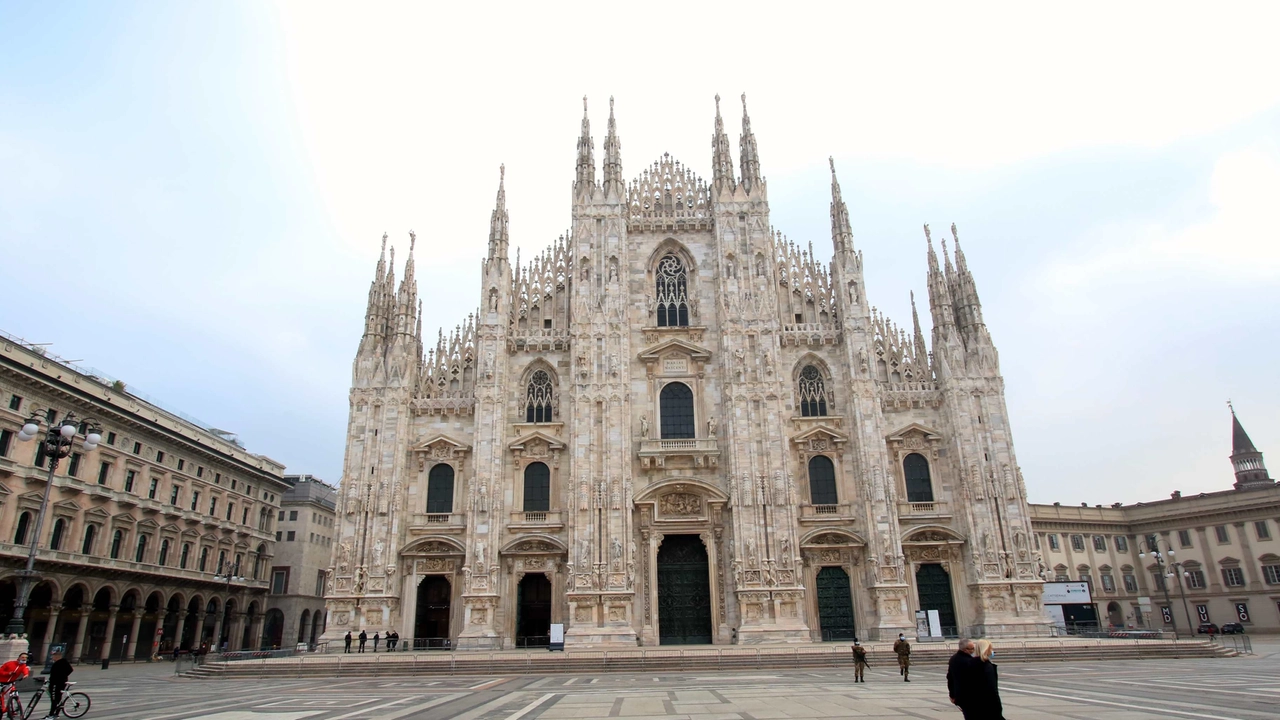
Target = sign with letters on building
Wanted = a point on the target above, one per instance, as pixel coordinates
(1066, 593)
(1242, 612)
(1167, 614)
(1203, 612)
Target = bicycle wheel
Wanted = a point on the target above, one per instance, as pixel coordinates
(15, 708)
(75, 705)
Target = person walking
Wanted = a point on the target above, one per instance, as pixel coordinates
(988, 702)
(346, 642)
(364, 637)
(392, 640)
(859, 661)
(963, 679)
(902, 649)
(12, 672)
(59, 673)
(376, 638)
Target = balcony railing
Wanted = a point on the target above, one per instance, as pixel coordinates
(424, 523)
(825, 513)
(704, 451)
(924, 509)
(537, 517)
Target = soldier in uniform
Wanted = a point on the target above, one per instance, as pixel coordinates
(903, 650)
(859, 661)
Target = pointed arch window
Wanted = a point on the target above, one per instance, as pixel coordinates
(59, 529)
(919, 484)
(676, 406)
(538, 398)
(537, 487)
(672, 293)
(440, 489)
(813, 393)
(822, 481)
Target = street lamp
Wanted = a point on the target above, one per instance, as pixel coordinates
(58, 442)
(1168, 569)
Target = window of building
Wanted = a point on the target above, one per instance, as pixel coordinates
(440, 489)
(812, 392)
(1195, 578)
(290, 536)
(155, 485)
(320, 583)
(129, 477)
(1130, 583)
(1221, 532)
(676, 405)
(217, 478)
(117, 539)
(6, 439)
(174, 492)
(164, 552)
(15, 402)
(1272, 574)
(50, 416)
(279, 533)
(1099, 543)
(915, 468)
(86, 545)
(185, 556)
(181, 463)
(1077, 543)
(204, 558)
(141, 552)
(1062, 577)
(1053, 541)
(293, 515)
(111, 438)
(40, 456)
(537, 487)
(199, 471)
(159, 456)
(231, 508)
(1157, 579)
(20, 534)
(1122, 544)
(1233, 577)
(279, 579)
(822, 481)
(195, 500)
(213, 506)
(222, 564)
(1264, 532)
(55, 540)
(1108, 583)
(538, 396)
(672, 293)
(281, 515)
(233, 483)
(137, 448)
(1184, 538)
(104, 471)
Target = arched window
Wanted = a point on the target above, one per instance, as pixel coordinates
(164, 552)
(204, 558)
(257, 562)
(20, 535)
(919, 485)
(185, 556)
(813, 393)
(538, 398)
(672, 293)
(537, 487)
(117, 538)
(822, 481)
(440, 489)
(86, 548)
(676, 405)
(55, 540)
(142, 549)
(222, 564)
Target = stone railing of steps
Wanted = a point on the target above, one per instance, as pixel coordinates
(736, 657)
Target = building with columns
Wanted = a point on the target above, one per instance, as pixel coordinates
(304, 544)
(675, 425)
(1224, 564)
(138, 529)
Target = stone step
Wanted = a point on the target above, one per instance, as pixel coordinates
(676, 660)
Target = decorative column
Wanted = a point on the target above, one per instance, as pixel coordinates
(199, 635)
(83, 625)
(237, 631)
(177, 633)
(255, 632)
(107, 641)
(132, 650)
(50, 629)
(217, 632)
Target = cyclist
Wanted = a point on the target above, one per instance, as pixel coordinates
(10, 673)
(59, 673)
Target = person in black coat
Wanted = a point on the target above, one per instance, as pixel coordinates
(364, 637)
(346, 642)
(963, 678)
(59, 673)
(989, 706)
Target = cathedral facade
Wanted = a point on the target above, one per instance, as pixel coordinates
(676, 426)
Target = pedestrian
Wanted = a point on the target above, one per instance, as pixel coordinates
(859, 661)
(902, 649)
(988, 700)
(392, 637)
(59, 672)
(12, 672)
(963, 679)
(375, 642)
(346, 642)
(364, 637)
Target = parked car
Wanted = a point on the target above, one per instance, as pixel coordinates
(1208, 629)
(1232, 629)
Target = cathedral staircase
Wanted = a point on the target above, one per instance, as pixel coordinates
(699, 658)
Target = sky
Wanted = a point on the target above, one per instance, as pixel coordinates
(192, 195)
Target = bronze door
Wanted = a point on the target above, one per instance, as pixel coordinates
(684, 592)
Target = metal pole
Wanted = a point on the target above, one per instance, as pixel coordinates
(16, 625)
(1183, 592)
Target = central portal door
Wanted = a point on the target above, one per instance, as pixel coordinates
(835, 604)
(933, 586)
(431, 621)
(533, 615)
(684, 592)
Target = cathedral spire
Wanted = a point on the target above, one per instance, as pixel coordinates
(750, 155)
(586, 179)
(721, 158)
(612, 158)
(841, 233)
(922, 351)
(968, 306)
(940, 308)
(1246, 460)
(498, 222)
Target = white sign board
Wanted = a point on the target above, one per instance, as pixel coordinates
(935, 624)
(1055, 613)
(1066, 593)
(557, 633)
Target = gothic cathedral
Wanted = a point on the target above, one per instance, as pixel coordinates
(675, 426)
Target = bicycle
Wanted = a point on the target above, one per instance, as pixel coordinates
(11, 701)
(72, 705)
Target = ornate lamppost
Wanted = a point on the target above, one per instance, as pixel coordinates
(1168, 569)
(58, 443)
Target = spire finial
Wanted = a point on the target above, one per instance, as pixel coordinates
(584, 104)
(1231, 407)
(413, 240)
(832, 160)
(610, 106)
(928, 237)
(717, 103)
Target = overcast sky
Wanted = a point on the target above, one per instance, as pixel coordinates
(192, 194)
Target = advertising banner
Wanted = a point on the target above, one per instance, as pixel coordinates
(1066, 593)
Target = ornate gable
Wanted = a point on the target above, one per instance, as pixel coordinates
(440, 447)
(675, 356)
(819, 438)
(537, 444)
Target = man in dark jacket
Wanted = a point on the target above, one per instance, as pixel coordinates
(963, 677)
(364, 637)
(59, 673)
(346, 642)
